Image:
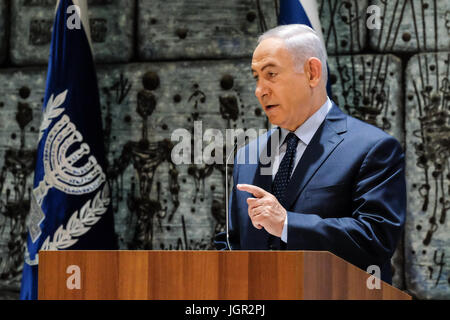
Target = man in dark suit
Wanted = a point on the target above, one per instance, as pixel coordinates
(334, 183)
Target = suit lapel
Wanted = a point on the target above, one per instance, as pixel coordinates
(323, 143)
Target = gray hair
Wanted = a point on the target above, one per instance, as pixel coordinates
(302, 42)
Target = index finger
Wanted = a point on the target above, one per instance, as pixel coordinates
(256, 191)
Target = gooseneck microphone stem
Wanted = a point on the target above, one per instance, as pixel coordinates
(226, 195)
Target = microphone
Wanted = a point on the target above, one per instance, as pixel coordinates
(235, 144)
(240, 141)
(226, 195)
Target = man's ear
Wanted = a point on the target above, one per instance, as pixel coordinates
(313, 70)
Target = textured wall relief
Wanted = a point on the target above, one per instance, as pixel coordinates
(171, 29)
(368, 87)
(343, 25)
(111, 24)
(412, 26)
(428, 175)
(3, 24)
(22, 92)
(160, 205)
(145, 156)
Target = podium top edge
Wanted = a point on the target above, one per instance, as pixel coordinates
(190, 251)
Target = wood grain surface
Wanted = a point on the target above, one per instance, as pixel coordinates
(206, 275)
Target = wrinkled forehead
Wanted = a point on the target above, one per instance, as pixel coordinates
(268, 46)
(270, 51)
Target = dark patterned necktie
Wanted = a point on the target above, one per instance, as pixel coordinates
(283, 175)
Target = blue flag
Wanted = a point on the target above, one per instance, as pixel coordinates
(70, 203)
(302, 12)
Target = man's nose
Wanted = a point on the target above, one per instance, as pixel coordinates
(261, 90)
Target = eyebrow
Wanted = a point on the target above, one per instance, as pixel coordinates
(266, 66)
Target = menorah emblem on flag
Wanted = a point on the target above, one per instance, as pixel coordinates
(59, 166)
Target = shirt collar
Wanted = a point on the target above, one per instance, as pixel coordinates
(307, 130)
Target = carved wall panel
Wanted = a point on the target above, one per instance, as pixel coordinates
(171, 29)
(20, 114)
(428, 175)
(160, 205)
(343, 25)
(3, 24)
(412, 26)
(111, 23)
(368, 87)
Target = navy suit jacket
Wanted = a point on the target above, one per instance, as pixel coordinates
(347, 195)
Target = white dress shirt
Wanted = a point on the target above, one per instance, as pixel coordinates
(305, 133)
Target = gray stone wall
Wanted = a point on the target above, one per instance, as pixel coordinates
(3, 41)
(189, 61)
(111, 24)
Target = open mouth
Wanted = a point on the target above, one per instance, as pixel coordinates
(271, 106)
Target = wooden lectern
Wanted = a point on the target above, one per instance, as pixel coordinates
(204, 275)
